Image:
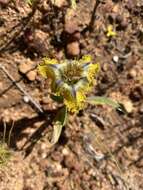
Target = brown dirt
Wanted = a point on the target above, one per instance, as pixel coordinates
(97, 139)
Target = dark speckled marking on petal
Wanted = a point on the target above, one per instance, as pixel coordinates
(59, 82)
(73, 91)
(84, 66)
(55, 69)
(55, 66)
(81, 83)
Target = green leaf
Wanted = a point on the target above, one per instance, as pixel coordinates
(73, 4)
(58, 99)
(58, 123)
(61, 115)
(97, 100)
(30, 2)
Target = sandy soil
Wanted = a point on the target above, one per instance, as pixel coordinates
(101, 148)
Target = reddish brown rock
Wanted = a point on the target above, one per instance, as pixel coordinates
(4, 2)
(73, 49)
(59, 3)
(31, 75)
(71, 26)
(24, 68)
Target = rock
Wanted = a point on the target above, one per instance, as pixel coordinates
(124, 24)
(130, 4)
(116, 8)
(57, 156)
(132, 154)
(86, 177)
(44, 155)
(27, 69)
(71, 29)
(26, 99)
(118, 18)
(65, 152)
(115, 58)
(76, 35)
(43, 6)
(128, 105)
(137, 93)
(121, 21)
(31, 75)
(59, 3)
(58, 167)
(73, 48)
(1, 85)
(24, 68)
(36, 41)
(71, 26)
(4, 2)
(141, 108)
(132, 73)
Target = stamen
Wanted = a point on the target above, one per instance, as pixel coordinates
(71, 72)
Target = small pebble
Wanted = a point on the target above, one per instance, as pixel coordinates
(137, 93)
(130, 4)
(24, 68)
(31, 75)
(115, 58)
(132, 73)
(65, 152)
(141, 109)
(70, 26)
(76, 35)
(119, 18)
(57, 156)
(59, 3)
(44, 155)
(1, 85)
(123, 24)
(43, 146)
(4, 2)
(58, 167)
(26, 99)
(73, 49)
(128, 105)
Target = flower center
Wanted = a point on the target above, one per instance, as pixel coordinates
(71, 73)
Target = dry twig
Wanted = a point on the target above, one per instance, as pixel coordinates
(20, 88)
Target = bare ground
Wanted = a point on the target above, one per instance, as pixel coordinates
(101, 148)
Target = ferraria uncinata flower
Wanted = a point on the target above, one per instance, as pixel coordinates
(70, 79)
(110, 32)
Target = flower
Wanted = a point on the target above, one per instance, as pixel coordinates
(110, 32)
(71, 79)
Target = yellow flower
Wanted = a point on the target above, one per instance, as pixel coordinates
(71, 79)
(85, 59)
(44, 67)
(75, 96)
(73, 4)
(110, 32)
